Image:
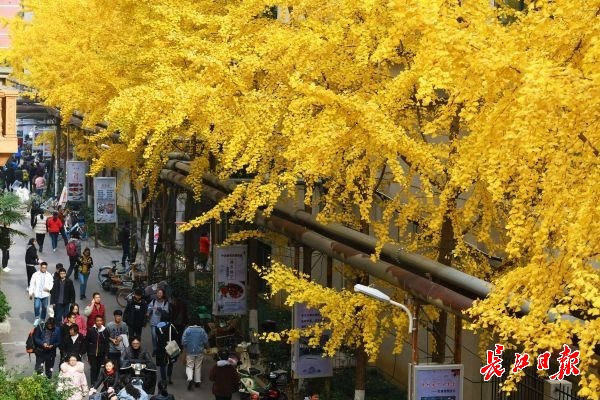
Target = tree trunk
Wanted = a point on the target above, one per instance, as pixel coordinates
(446, 247)
(447, 244)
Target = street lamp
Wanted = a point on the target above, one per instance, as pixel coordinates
(379, 295)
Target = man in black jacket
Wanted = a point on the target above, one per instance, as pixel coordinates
(97, 346)
(135, 314)
(62, 294)
(31, 260)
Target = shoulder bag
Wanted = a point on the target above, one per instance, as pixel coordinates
(172, 348)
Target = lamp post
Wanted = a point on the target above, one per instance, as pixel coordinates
(379, 295)
(412, 323)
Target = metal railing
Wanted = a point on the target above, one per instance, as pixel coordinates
(564, 392)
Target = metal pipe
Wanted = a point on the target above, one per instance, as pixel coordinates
(459, 281)
(422, 288)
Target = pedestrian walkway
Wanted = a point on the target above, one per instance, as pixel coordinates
(14, 283)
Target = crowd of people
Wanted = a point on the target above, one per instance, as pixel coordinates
(112, 348)
(30, 173)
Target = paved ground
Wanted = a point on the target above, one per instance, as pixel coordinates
(14, 282)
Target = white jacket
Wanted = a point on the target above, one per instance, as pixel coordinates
(41, 284)
(40, 225)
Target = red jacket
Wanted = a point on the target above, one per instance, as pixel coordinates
(54, 224)
(204, 245)
(95, 312)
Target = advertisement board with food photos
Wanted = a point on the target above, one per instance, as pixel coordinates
(105, 200)
(76, 180)
(230, 277)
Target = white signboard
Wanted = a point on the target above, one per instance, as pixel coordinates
(230, 280)
(436, 381)
(105, 200)
(308, 362)
(76, 180)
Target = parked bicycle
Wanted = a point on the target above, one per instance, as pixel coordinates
(76, 224)
(126, 292)
(111, 277)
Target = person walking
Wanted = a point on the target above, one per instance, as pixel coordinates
(179, 315)
(194, 341)
(72, 343)
(118, 336)
(5, 243)
(40, 228)
(40, 185)
(46, 339)
(225, 378)
(97, 346)
(54, 225)
(69, 321)
(80, 320)
(96, 308)
(157, 308)
(165, 332)
(135, 313)
(74, 252)
(39, 290)
(9, 177)
(124, 238)
(34, 209)
(84, 264)
(72, 378)
(62, 295)
(31, 260)
(204, 249)
(61, 215)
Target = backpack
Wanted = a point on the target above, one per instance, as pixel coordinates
(71, 248)
(29, 343)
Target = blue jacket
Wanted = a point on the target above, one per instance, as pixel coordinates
(123, 395)
(194, 340)
(43, 335)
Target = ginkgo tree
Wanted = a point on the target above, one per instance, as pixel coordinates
(479, 123)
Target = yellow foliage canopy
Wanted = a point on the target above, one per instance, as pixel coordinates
(486, 116)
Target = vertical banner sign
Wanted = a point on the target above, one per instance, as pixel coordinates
(230, 280)
(105, 200)
(76, 180)
(308, 362)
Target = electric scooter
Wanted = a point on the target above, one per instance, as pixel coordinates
(253, 381)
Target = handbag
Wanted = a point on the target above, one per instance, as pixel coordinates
(50, 311)
(172, 348)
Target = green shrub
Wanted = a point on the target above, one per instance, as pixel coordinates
(34, 387)
(4, 307)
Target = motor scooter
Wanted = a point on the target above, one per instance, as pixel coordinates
(141, 376)
(254, 382)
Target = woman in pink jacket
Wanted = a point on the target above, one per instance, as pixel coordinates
(72, 378)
